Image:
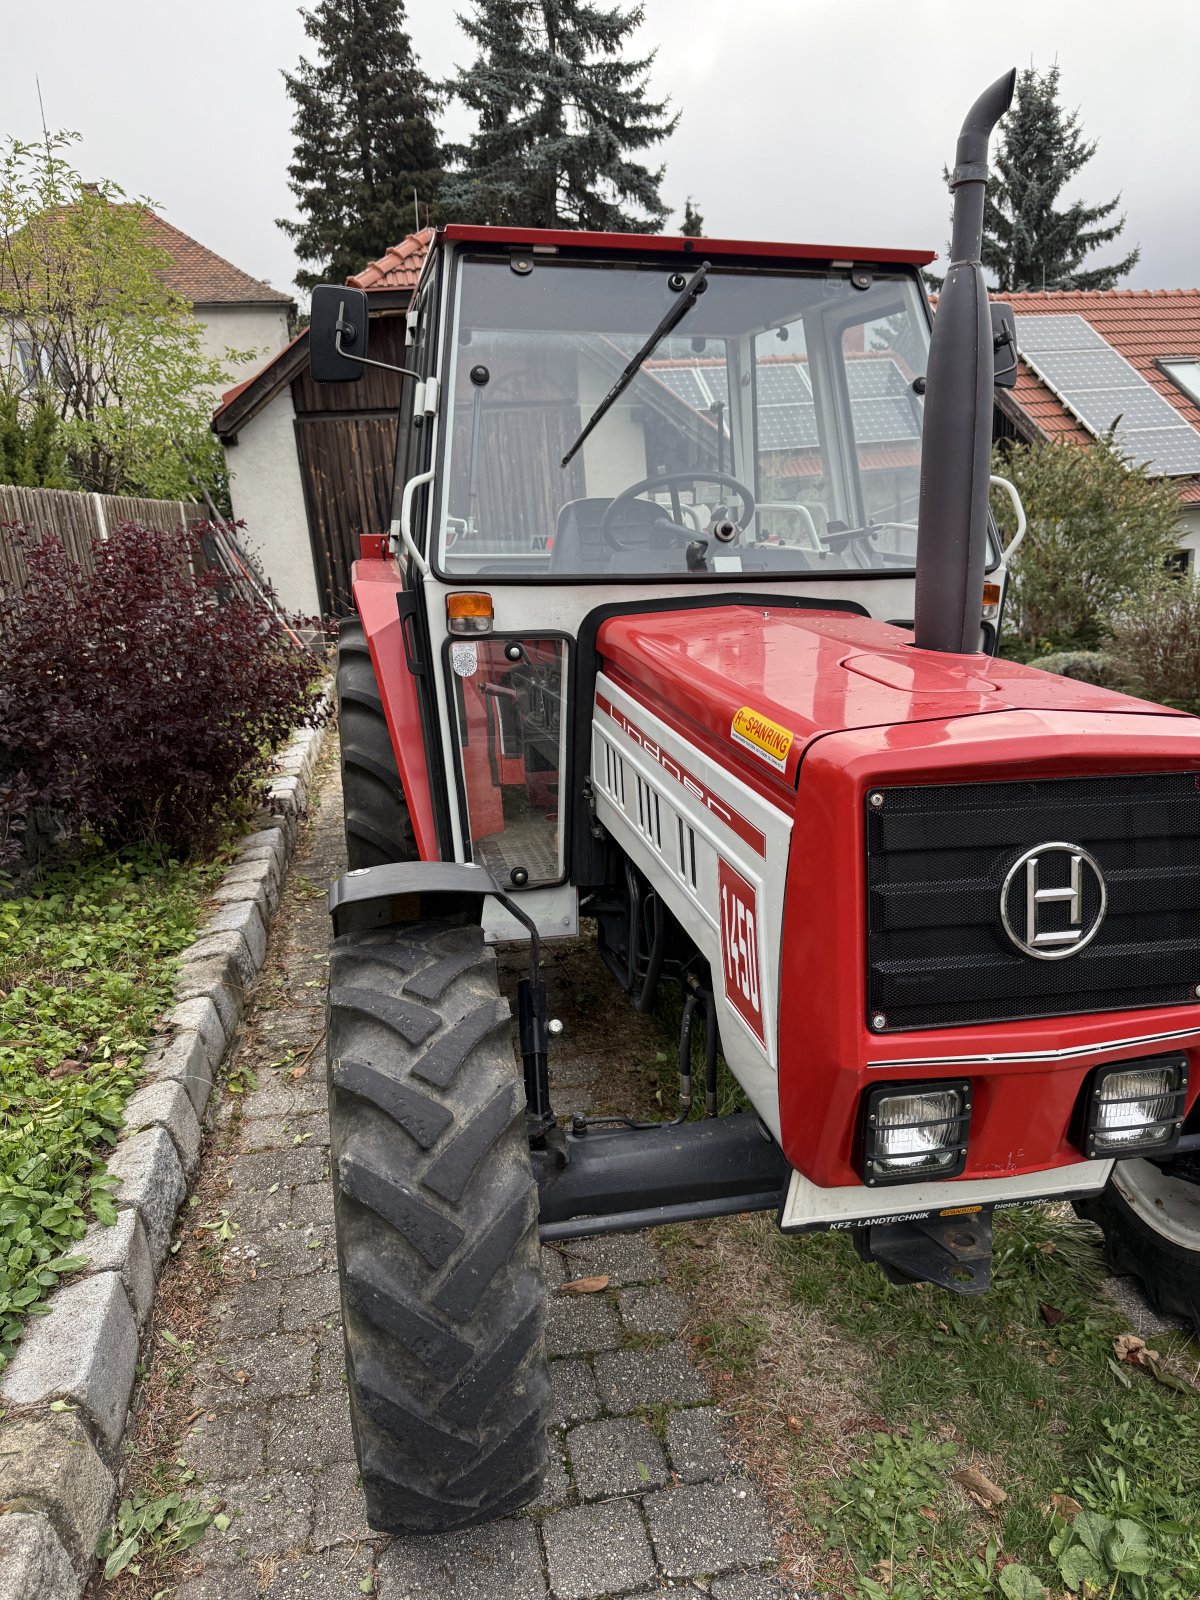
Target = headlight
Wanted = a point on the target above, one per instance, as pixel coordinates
(1135, 1106)
(916, 1131)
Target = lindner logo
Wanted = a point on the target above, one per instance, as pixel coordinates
(1053, 901)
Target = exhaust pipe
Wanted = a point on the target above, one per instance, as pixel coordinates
(957, 435)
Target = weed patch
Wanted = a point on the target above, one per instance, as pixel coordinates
(87, 961)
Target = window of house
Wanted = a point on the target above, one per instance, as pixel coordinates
(1186, 374)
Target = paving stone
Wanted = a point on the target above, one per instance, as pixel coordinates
(498, 1561)
(284, 1167)
(757, 1586)
(652, 1310)
(48, 1463)
(219, 1583)
(185, 1059)
(695, 1446)
(312, 1301)
(624, 1257)
(313, 1202)
(258, 1210)
(84, 1349)
(268, 1516)
(279, 1364)
(262, 891)
(296, 1252)
(200, 1016)
(122, 1247)
(573, 1394)
(339, 1511)
(280, 1097)
(166, 1104)
(33, 1563)
(226, 1444)
(242, 917)
(554, 1269)
(322, 1577)
(627, 1379)
(216, 980)
(618, 1455)
(331, 1360)
(578, 1324)
(556, 1486)
(708, 1527)
(596, 1550)
(305, 1434)
(150, 1177)
(248, 1311)
(226, 945)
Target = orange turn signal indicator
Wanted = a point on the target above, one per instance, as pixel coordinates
(991, 601)
(469, 612)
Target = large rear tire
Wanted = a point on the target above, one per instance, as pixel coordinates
(1150, 1217)
(435, 1207)
(378, 825)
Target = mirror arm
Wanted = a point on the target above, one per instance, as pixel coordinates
(386, 366)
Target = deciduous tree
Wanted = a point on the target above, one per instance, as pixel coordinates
(90, 331)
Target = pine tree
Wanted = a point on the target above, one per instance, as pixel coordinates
(692, 226)
(365, 138)
(561, 118)
(1028, 243)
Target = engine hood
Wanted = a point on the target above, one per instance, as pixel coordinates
(761, 682)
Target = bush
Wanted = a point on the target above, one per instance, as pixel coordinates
(134, 705)
(1159, 638)
(1100, 530)
(1086, 666)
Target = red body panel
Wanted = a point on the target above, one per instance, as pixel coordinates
(658, 244)
(375, 585)
(865, 707)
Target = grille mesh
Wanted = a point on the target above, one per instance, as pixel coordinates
(937, 859)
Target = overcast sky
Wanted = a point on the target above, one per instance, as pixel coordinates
(814, 120)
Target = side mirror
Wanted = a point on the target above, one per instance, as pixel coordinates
(337, 334)
(1004, 341)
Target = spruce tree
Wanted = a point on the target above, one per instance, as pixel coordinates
(365, 138)
(1028, 243)
(692, 226)
(562, 118)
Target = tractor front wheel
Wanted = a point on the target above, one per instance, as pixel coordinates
(378, 826)
(436, 1209)
(1150, 1217)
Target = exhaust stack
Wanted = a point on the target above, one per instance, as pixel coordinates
(957, 435)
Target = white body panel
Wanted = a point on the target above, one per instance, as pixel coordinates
(856, 1206)
(678, 815)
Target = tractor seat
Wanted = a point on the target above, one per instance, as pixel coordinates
(580, 547)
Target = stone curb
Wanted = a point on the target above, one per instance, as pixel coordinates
(59, 1468)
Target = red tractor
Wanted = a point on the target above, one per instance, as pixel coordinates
(687, 623)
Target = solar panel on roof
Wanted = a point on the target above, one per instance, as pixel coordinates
(1101, 388)
(1057, 332)
(874, 376)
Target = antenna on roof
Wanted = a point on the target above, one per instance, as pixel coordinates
(416, 210)
(42, 113)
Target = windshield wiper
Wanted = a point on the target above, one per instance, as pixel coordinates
(687, 299)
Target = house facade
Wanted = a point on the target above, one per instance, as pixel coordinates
(1090, 359)
(311, 465)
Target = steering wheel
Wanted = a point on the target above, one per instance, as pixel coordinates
(674, 481)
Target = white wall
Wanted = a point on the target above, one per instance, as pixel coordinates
(262, 329)
(1189, 534)
(268, 495)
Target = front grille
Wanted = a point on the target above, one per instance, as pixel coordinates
(938, 955)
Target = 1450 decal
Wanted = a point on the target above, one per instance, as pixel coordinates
(739, 947)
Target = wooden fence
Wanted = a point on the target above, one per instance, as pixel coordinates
(80, 521)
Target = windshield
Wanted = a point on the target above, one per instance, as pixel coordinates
(774, 431)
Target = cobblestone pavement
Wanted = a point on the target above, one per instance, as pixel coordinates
(641, 1496)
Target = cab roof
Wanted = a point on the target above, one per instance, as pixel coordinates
(553, 239)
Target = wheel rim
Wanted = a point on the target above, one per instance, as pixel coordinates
(1166, 1199)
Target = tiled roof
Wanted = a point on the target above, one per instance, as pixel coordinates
(1143, 325)
(205, 278)
(399, 268)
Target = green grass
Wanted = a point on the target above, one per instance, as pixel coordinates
(1035, 1396)
(87, 959)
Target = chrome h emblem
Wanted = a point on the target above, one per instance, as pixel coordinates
(1022, 888)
